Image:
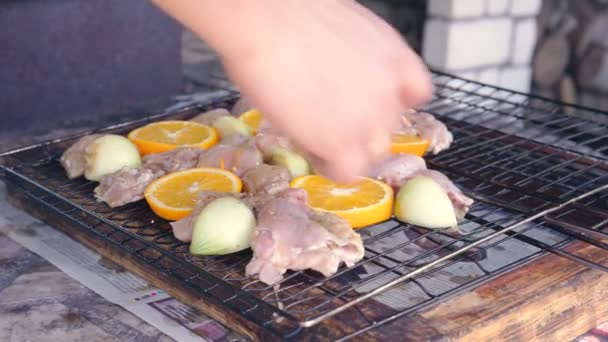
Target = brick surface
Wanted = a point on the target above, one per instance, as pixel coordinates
(456, 9)
(498, 7)
(525, 7)
(516, 78)
(524, 40)
(489, 76)
(460, 45)
(468, 75)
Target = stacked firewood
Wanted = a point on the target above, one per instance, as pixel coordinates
(571, 57)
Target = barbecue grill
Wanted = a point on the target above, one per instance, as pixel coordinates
(539, 179)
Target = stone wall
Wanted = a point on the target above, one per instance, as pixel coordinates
(491, 41)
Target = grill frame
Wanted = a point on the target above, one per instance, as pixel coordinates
(493, 195)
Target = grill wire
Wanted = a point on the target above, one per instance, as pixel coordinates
(539, 179)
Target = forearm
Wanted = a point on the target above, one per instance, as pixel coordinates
(230, 27)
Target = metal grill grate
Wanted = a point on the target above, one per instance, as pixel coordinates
(539, 179)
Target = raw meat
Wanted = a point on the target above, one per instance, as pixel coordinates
(208, 117)
(73, 160)
(428, 127)
(175, 160)
(237, 159)
(291, 236)
(267, 179)
(267, 142)
(126, 185)
(398, 169)
(288, 235)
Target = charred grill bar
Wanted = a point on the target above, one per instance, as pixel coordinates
(540, 183)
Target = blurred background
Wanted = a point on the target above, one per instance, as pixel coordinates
(553, 48)
(71, 59)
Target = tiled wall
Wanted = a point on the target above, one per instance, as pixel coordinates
(491, 41)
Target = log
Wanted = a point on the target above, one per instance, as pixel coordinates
(568, 25)
(567, 94)
(547, 15)
(593, 31)
(551, 60)
(592, 71)
(545, 92)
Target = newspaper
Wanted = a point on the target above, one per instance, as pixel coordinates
(105, 278)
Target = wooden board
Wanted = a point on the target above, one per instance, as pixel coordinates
(550, 299)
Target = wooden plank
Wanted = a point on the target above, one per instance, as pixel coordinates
(550, 299)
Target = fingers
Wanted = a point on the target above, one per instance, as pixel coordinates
(416, 84)
(344, 167)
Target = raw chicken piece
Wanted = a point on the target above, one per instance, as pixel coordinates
(175, 160)
(234, 140)
(459, 200)
(73, 160)
(428, 127)
(396, 169)
(241, 106)
(267, 142)
(237, 159)
(126, 185)
(208, 117)
(291, 236)
(267, 179)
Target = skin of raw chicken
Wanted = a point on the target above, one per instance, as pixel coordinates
(398, 169)
(125, 186)
(268, 141)
(268, 179)
(428, 127)
(237, 159)
(175, 160)
(208, 117)
(290, 236)
(128, 185)
(73, 160)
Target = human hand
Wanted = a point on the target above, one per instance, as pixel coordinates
(330, 75)
(334, 78)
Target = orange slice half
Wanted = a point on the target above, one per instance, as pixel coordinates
(406, 143)
(252, 118)
(173, 196)
(165, 136)
(361, 204)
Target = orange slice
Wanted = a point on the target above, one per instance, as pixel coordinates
(252, 118)
(165, 136)
(361, 204)
(173, 196)
(406, 143)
